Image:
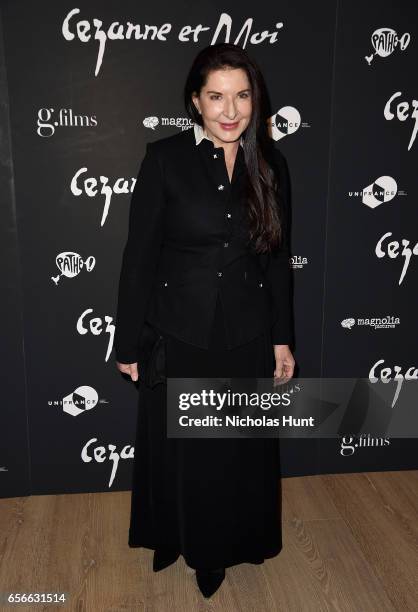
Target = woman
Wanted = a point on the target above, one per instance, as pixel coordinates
(206, 270)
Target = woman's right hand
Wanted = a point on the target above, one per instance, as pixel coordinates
(129, 368)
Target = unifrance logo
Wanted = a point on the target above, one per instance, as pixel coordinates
(70, 265)
(381, 191)
(80, 400)
(285, 122)
(385, 41)
(388, 322)
(350, 444)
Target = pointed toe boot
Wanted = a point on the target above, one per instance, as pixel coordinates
(209, 580)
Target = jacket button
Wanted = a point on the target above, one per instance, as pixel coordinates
(220, 187)
(228, 215)
(226, 244)
(165, 284)
(215, 155)
(260, 284)
(219, 274)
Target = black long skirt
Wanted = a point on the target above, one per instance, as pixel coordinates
(217, 501)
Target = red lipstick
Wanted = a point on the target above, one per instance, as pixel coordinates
(229, 126)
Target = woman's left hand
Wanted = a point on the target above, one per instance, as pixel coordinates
(285, 363)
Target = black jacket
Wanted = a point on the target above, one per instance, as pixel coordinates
(186, 243)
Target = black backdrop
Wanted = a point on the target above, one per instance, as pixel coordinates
(80, 99)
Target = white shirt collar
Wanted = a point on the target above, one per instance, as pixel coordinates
(200, 134)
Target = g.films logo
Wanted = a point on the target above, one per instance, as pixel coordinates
(349, 444)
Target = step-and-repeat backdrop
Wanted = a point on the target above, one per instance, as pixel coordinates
(83, 90)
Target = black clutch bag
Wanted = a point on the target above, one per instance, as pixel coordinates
(151, 356)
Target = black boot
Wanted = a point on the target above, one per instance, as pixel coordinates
(209, 580)
(257, 560)
(163, 558)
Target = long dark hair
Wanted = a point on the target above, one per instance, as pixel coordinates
(264, 214)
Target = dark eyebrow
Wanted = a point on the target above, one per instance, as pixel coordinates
(220, 93)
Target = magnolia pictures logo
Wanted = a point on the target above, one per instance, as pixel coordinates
(153, 122)
(298, 262)
(388, 322)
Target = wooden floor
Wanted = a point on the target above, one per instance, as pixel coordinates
(350, 543)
